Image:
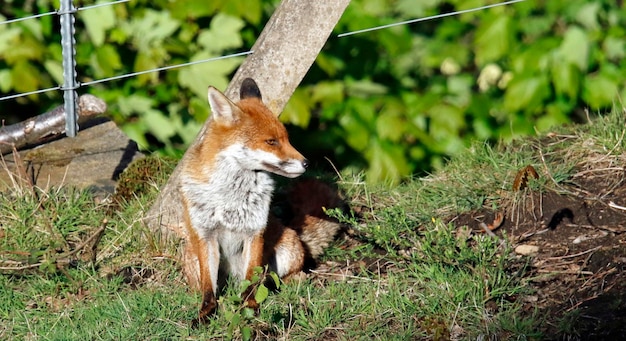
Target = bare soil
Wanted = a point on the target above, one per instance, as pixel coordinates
(578, 273)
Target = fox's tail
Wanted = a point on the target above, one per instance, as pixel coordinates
(308, 199)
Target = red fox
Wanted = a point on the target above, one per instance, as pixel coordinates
(226, 188)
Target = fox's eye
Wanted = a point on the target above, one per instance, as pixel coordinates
(271, 142)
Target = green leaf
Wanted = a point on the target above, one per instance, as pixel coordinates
(357, 132)
(365, 88)
(247, 313)
(233, 318)
(566, 78)
(494, 39)
(8, 39)
(21, 48)
(131, 104)
(5, 80)
(198, 77)
(192, 9)
(24, 77)
(251, 10)
(329, 63)
(526, 94)
(151, 29)
(97, 21)
(159, 125)
(186, 130)
(391, 125)
(136, 131)
(148, 59)
(261, 294)
(614, 48)
(446, 123)
(243, 285)
(387, 162)
(599, 91)
(588, 15)
(276, 279)
(298, 111)
(34, 28)
(575, 48)
(105, 61)
(534, 58)
(415, 9)
(445, 120)
(328, 92)
(460, 90)
(224, 34)
(199, 108)
(55, 69)
(246, 333)
(556, 114)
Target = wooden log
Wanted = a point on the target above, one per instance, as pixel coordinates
(283, 53)
(38, 129)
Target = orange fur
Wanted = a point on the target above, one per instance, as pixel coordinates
(226, 189)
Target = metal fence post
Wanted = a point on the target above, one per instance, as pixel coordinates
(70, 84)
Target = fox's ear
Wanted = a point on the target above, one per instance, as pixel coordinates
(249, 89)
(222, 109)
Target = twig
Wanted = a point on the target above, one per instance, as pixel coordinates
(620, 229)
(545, 165)
(619, 143)
(576, 254)
(598, 276)
(581, 173)
(86, 242)
(487, 229)
(22, 267)
(565, 272)
(335, 168)
(62, 258)
(614, 205)
(344, 276)
(590, 298)
(52, 123)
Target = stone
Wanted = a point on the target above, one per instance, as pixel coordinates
(526, 250)
(93, 159)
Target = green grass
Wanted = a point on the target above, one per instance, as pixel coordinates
(434, 280)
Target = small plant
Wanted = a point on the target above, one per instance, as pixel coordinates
(240, 317)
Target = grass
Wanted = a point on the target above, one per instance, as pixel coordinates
(73, 269)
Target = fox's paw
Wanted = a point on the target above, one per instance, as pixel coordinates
(207, 309)
(251, 303)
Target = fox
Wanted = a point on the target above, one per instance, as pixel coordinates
(227, 185)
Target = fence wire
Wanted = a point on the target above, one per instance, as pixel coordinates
(34, 16)
(438, 16)
(66, 14)
(70, 83)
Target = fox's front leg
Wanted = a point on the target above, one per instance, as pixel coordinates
(252, 257)
(209, 260)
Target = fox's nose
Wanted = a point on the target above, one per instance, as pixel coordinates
(305, 163)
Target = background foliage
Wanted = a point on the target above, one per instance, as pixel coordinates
(394, 102)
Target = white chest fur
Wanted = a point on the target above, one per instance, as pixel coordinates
(233, 198)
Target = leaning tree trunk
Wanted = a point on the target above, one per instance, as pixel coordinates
(284, 52)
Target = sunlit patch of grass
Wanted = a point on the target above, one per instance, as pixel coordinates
(433, 280)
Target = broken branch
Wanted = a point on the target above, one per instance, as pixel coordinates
(52, 123)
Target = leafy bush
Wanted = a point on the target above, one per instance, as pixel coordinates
(406, 97)
(394, 101)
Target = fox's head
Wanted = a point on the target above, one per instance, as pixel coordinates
(250, 133)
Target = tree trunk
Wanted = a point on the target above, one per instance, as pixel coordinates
(284, 52)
